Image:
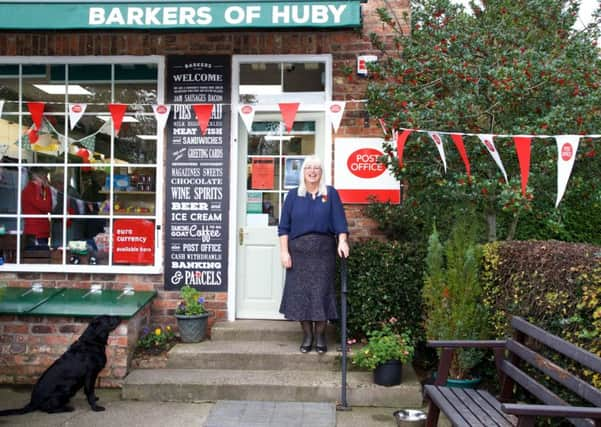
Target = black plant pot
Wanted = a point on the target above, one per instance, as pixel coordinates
(389, 373)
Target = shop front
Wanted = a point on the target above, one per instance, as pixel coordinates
(151, 144)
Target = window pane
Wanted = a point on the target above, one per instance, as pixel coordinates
(304, 77)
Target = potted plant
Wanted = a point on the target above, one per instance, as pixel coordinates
(191, 315)
(385, 353)
(452, 296)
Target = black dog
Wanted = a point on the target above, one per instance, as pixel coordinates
(78, 366)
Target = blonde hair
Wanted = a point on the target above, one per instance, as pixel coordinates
(302, 188)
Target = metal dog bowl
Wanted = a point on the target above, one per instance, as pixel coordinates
(409, 418)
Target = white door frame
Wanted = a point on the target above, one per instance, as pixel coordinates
(234, 164)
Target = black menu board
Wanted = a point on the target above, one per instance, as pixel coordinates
(197, 185)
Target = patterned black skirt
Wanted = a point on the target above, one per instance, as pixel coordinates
(309, 288)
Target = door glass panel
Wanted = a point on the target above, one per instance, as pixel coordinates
(274, 161)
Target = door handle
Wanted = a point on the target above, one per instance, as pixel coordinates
(241, 236)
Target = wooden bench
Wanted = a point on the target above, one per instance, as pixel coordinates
(472, 407)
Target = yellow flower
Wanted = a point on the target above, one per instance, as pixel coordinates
(157, 331)
(168, 328)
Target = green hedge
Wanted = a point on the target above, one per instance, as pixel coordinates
(555, 285)
(384, 281)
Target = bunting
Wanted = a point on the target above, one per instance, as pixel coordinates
(522, 148)
(36, 109)
(335, 111)
(567, 146)
(487, 140)
(400, 144)
(203, 115)
(458, 140)
(247, 113)
(117, 113)
(161, 114)
(440, 146)
(76, 111)
(288, 111)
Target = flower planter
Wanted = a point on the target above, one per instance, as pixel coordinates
(389, 373)
(467, 383)
(460, 383)
(192, 328)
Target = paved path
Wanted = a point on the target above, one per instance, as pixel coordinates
(123, 413)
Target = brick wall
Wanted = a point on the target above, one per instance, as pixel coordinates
(30, 344)
(344, 45)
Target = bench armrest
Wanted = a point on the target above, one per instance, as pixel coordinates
(519, 409)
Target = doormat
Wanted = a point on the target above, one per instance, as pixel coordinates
(244, 413)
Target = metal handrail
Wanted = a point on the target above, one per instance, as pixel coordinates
(343, 404)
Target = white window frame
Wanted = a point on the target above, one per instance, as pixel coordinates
(157, 267)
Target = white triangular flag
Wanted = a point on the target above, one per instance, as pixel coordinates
(487, 140)
(247, 112)
(1, 106)
(335, 110)
(161, 114)
(567, 145)
(440, 145)
(75, 113)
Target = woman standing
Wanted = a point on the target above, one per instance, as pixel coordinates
(312, 229)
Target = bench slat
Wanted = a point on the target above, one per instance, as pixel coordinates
(463, 404)
(564, 347)
(503, 418)
(438, 399)
(468, 407)
(562, 376)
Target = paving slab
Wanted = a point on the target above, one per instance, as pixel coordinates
(236, 413)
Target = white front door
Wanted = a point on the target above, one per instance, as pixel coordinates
(269, 162)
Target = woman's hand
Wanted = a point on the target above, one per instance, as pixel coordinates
(343, 249)
(286, 259)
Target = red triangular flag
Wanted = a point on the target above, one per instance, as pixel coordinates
(458, 140)
(33, 136)
(117, 113)
(400, 144)
(522, 147)
(36, 109)
(203, 115)
(288, 111)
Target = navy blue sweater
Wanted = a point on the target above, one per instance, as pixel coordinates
(304, 215)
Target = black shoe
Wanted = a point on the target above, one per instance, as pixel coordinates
(305, 348)
(320, 344)
(321, 349)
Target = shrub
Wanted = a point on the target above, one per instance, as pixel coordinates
(452, 294)
(384, 281)
(555, 285)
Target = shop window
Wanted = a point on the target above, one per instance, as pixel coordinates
(79, 196)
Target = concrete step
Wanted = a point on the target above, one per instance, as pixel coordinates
(262, 330)
(201, 385)
(251, 355)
